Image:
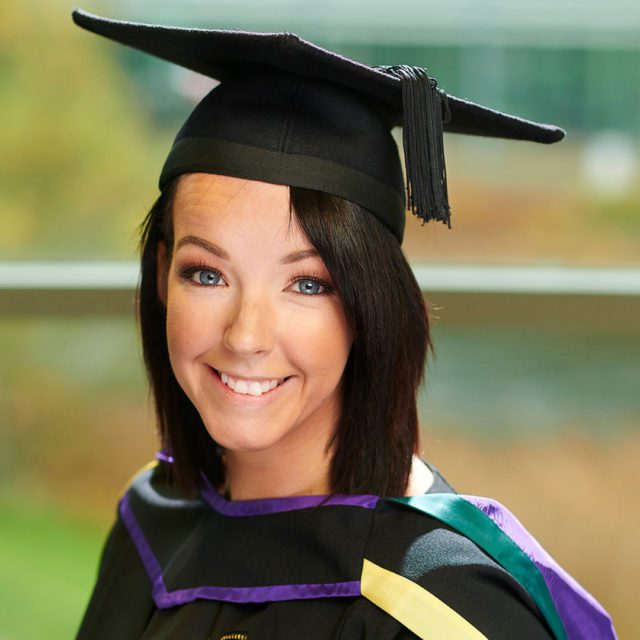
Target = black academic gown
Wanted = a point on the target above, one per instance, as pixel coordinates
(289, 569)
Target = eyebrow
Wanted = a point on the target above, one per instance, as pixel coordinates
(297, 256)
(213, 248)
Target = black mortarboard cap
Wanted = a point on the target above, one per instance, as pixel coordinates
(290, 112)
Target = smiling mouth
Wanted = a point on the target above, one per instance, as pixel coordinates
(243, 386)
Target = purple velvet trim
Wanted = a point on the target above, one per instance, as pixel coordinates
(149, 560)
(240, 508)
(164, 455)
(582, 615)
(271, 593)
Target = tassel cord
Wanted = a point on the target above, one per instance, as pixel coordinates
(422, 103)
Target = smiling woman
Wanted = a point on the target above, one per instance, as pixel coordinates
(258, 310)
(285, 339)
(297, 274)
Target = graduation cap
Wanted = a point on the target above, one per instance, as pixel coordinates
(289, 112)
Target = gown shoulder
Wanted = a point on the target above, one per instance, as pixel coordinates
(438, 566)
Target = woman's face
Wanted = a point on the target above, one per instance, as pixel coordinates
(257, 336)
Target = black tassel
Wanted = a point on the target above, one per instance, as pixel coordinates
(422, 103)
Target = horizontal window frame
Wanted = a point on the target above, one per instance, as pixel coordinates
(458, 294)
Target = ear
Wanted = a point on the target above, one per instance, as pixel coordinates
(162, 269)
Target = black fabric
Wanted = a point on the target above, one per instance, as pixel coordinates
(439, 484)
(227, 54)
(296, 102)
(297, 131)
(222, 551)
(278, 167)
(328, 541)
(121, 604)
(451, 567)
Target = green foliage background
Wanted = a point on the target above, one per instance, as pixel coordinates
(45, 579)
(76, 152)
(78, 170)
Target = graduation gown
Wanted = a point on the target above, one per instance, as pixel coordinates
(438, 566)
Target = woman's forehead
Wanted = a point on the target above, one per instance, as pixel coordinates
(236, 209)
(223, 192)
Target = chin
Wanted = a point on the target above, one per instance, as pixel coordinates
(242, 439)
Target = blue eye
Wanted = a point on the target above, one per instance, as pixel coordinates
(207, 277)
(309, 287)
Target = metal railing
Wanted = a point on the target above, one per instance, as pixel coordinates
(473, 295)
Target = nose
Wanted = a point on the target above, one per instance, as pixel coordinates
(249, 330)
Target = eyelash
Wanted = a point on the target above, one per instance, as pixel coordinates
(186, 274)
(327, 289)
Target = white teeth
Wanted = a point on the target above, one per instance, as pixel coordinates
(241, 387)
(255, 388)
(249, 387)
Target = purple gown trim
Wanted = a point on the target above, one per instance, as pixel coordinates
(582, 615)
(165, 599)
(164, 455)
(260, 507)
(240, 508)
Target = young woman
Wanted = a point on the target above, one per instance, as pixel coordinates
(285, 338)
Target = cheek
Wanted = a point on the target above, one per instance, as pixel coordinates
(323, 346)
(189, 328)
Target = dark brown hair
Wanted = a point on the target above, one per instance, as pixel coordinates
(377, 433)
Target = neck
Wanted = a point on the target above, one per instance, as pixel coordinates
(252, 476)
(420, 479)
(265, 474)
